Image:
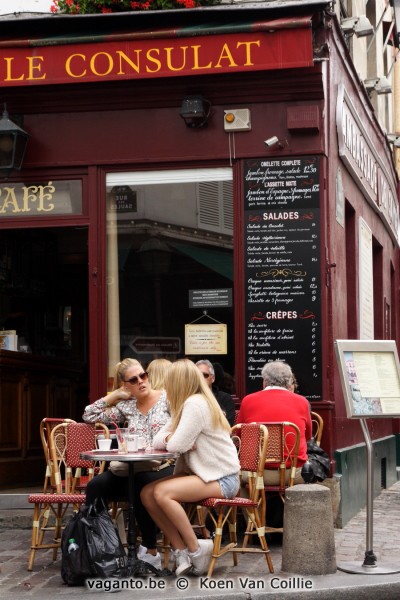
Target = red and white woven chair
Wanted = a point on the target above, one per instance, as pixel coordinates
(67, 441)
(281, 461)
(282, 453)
(252, 452)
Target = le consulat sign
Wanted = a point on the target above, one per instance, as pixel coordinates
(141, 56)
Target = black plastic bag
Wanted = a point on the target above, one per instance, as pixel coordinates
(100, 552)
(76, 566)
(104, 547)
(319, 460)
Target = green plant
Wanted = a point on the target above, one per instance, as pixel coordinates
(74, 7)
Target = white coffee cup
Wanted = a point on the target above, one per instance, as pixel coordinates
(104, 444)
(141, 442)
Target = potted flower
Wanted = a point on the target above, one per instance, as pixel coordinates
(82, 7)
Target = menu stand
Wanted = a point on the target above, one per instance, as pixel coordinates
(370, 377)
(370, 564)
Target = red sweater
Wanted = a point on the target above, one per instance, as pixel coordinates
(277, 404)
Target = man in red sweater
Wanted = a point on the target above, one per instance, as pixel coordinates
(277, 402)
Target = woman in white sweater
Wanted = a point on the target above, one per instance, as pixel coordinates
(208, 465)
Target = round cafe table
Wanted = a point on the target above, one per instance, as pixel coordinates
(135, 566)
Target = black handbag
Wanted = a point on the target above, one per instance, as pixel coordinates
(100, 553)
(318, 459)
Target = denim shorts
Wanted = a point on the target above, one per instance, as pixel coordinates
(229, 485)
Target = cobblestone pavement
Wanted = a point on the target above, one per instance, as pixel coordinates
(249, 580)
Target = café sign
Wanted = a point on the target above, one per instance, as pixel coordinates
(41, 200)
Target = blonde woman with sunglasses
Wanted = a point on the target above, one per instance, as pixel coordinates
(208, 465)
(132, 401)
(145, 410)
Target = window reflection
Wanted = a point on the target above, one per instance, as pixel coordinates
(167, 233)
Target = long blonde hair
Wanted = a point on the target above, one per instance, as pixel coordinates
(157, 370)
(184, 379)
(120, 369)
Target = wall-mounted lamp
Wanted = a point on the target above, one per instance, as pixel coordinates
(13, 142)
(273, 141)
(380, 85)
(361, 26)
(195, 111)
(394, 138)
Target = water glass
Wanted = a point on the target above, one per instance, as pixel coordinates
(122, 449)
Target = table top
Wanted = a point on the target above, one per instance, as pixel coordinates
(128, 457)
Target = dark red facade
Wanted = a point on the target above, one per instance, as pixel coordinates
(86, 129)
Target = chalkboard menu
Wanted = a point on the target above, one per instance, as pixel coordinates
(282, 269)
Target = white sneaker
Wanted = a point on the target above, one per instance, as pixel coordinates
(183, 564)
(201, 558)
(154, 560)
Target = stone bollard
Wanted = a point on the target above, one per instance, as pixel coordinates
(308, 546)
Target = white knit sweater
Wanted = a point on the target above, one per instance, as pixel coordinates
(206, 452)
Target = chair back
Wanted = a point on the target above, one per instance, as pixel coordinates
(46, 426)
(68, 440)
(317, 427)
(283, 450)
(252, 454)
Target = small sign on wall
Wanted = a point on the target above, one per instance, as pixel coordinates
(123, 199)
(206, 339)
(210, 298)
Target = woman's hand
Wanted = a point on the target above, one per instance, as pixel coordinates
(116, 396)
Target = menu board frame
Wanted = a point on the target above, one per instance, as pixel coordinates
(282, 269)
(369, 374)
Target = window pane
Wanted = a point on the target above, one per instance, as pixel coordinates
(169, 235)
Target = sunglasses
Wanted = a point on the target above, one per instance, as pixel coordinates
(134, 380)
(206, 375)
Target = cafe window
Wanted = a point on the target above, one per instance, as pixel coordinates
(169, 239)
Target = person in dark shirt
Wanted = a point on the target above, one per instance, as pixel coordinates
(224, 381)
(224, 400)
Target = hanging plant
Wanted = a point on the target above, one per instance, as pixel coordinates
(84, 7)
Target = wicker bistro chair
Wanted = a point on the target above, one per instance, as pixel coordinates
(317, 427)
(252, 453)
(282, 454)
(67, 441)
(46, 426)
